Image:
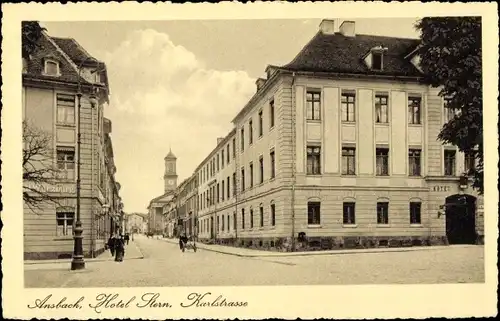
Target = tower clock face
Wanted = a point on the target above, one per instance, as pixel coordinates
(170, 182)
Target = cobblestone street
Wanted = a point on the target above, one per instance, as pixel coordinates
(165, 265)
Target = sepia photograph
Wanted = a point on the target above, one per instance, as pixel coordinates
(325, 150)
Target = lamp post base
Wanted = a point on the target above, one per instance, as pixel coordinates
(78, 263)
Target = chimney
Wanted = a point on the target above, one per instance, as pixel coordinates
(327, 26)
(219, 139)
(260, 82)
(347, 29)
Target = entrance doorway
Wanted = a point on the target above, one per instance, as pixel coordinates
(461, 219)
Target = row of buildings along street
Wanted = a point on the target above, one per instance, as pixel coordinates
(65, 92)
(337, 148)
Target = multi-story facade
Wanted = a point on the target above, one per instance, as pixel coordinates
(181, 212)
(339, 148)
(52, 77)
(156, 219)
(135, 222)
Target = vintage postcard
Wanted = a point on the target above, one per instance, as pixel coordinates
(250, 161)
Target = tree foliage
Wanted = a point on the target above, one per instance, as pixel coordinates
(39, 170)
(31, 34)
(451, 58)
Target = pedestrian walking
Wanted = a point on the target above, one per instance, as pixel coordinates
(111, 244)
(119, 249)
(127, 238)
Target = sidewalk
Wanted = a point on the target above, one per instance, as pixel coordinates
(132, 252)
(242, 252)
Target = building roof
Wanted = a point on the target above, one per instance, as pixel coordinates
(170, 155)
(69, 54)
(341, 54)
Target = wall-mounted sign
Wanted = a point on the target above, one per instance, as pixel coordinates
(56, 188)
(441, 188)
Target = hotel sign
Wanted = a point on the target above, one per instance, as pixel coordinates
(441, 188)
(56, 188)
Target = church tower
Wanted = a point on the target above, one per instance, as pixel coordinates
(170, 177)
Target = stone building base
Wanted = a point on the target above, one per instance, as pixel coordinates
(284, 244)
(58, 255)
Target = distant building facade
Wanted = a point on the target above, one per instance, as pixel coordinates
(136, 223)
(50, 80)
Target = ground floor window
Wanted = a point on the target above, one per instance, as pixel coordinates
(273, 214)
(261, 210)
(349, 211)
(382, 213)
(313, 213)
(415, 213)
(251, 218)
(65, 221)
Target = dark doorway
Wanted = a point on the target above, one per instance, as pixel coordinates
(461, 219)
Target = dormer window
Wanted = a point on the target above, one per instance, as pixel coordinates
(377, 60)
(51, 68)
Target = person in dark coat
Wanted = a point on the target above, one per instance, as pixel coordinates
(127, 238)
(111, 244)
(119, 249)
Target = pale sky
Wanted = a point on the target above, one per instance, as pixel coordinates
(178, 84)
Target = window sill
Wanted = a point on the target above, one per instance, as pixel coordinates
(271, 128)
(415, 125)
(383, 176)
(317, 121)
(63, 238)
(312, 226)
(383, 226)
(348, 175)
(349, 225)
(416, 225)
(60, 124)
(348, 122)
(382, 124)
(314, 175)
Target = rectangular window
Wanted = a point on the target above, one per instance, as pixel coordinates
(273, 214)
(261, 172)
(313, 160)
(414, 156)
(382, 159)
(228, 223)
(65, 221)
(217, 162)
(251, 218)
(349, 213)
(348, 161)
(382, 213)
(415, 215)
(250, 132)
(261, 216)
(414, 110)
(222, 219)
(348, 104)
(222, 190)
(65, 109)
(234, 148)
(271, 114)
(228, 188)
(381, 109)
(449, 162)
(376, 60)
(242, 218)
(449, 111)
(222, 159)
(261, 124)
(228, 157)
(251, 175)
(66, 163)
(470, 162)
(234, 184)
(313, 105)
(242, 179)
(273, 168)
(242, 135)
(234, 221)
(313, 213)
(218, 195)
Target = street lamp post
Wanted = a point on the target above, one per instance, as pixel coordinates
(77, 262)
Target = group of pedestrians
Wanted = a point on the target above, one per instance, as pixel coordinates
(116, 245)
